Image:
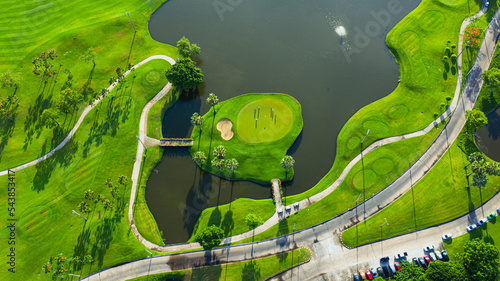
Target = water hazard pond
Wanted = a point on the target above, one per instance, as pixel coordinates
(488, 137)
(285, 46)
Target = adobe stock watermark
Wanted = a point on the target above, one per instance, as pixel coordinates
(375, 27)
(222, 6)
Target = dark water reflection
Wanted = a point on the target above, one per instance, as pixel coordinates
(488, 137)
(284, 46)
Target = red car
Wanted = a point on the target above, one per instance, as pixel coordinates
(369, 275)
(397, 266)
(427, 260)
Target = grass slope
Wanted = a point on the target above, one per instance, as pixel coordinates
(257, 148)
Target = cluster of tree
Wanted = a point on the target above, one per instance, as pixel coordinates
(491, 78)
(479, 261)
(184, 75)
(89, 196)
(9, 105)
(480, 169)
(42, 65)
(450, 53)
(218, 163)
(186, 49)
(210, 237)
(60, 264)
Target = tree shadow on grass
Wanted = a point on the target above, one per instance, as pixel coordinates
(228, 223)
(250, 272)
(209, 273)
(215, 217)
(6, 132)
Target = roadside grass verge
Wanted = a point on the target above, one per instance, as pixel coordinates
(103, 147)
(258, 146)
(257, 269)
(440, 196)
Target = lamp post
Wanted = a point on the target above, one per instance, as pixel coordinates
(145, 148)
(381, 235)
(412, 194)
(363, 172)
(357, 237)
(75, 213)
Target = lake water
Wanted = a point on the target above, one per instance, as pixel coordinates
(330, 55)
(488, 137)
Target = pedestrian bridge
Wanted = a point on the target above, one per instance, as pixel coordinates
(176, 142)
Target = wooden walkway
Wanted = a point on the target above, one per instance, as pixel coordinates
(172, 142)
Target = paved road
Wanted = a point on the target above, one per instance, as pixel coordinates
(332, 261)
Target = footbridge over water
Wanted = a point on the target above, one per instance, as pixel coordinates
(170, 142)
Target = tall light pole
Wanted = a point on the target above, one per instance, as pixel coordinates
(412, 194)
(75, 213)
(357, 236)
(150, 258)
(381, 236)
(363, 172)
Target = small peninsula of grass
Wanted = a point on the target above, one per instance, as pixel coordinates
(260, 129)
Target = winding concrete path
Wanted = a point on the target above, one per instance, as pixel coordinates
(331, 260)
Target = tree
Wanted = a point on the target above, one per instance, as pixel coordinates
(212, 100)
(199, 158)
(475, 157)
(480, 260)
(48, 118)
(218, 164)
(491, 168)
(123, 180)
(186, 49)
(185, 75)
(287, 163)
(220, 152)
(209, 237)
(410, 271)
(491, 77)
(68, 100)
(84, 207)
(476, 118)
(88, 56)
(10, 79)
(89, 195)
(472, 34)
(232, 165)
(253, 221)
(197, 120)
(479, 180)
(445, 271)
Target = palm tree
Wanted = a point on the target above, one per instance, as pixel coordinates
(89, 55)
(197, 120)
(479, 180)
(475, 157)
(478, 168)
(199, 158)
(212, 100)
(287, 163)
(491, 168)
(231, 165)
(220, 152)
(218, 164)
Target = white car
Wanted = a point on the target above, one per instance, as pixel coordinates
(447, 236)
(429, 248)
(471, 227)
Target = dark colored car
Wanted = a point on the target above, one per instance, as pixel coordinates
(445, 255)
(415, 261)
(387, 272)
(392, 269)
(380, 272)
(384, 259)
(356, 277)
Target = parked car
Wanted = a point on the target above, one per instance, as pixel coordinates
(374, 272)
(429, 248)
(498, 210)
(380, 272)
(445, 255)
(387, 271)
(447, 236)
(384, 259)
(482, 222)
(492, 216)
(432, 256)
(471, 227)
(362, 274)
(438, 255)
(415, 261)
(397, 266)
(356, 277)
(427, 260)
(369, 275)
(422, 263)
(392, 269)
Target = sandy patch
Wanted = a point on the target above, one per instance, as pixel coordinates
(225, 127)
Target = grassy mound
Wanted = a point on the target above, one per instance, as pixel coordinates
(259, 143)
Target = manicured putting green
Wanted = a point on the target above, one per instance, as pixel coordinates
(271, 122)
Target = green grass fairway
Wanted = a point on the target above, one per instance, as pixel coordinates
(258, 150)
(257, 123)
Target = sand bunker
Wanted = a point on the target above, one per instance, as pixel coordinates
(225, 127)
